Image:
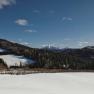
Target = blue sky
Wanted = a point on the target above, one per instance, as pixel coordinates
(38, 23)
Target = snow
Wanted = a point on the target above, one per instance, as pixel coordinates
(2, 50)
(48, 83)
(11, 60)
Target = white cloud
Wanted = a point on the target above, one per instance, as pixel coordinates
(67, 19)
(25, 43)
(21, 41)
(83, 43)
(49, 45)
(4, 3)
(22, 22)
(56, 45)
(30, 31)
(36, 11)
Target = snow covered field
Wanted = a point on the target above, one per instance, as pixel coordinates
(12, 60)
(48, 83)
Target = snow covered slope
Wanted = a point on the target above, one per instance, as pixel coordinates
(2, 50)
(53, 83)
(11, 60)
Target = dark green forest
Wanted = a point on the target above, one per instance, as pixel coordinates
(74, 59)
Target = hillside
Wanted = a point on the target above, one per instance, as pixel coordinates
(75, 59)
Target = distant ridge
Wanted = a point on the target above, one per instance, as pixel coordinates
(68, 58)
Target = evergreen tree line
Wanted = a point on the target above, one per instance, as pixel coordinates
(75, 59)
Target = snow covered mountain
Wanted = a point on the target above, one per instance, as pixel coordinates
(51, 48)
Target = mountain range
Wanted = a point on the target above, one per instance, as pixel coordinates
(67, 58)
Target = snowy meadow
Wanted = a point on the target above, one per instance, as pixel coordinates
(48, 83)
